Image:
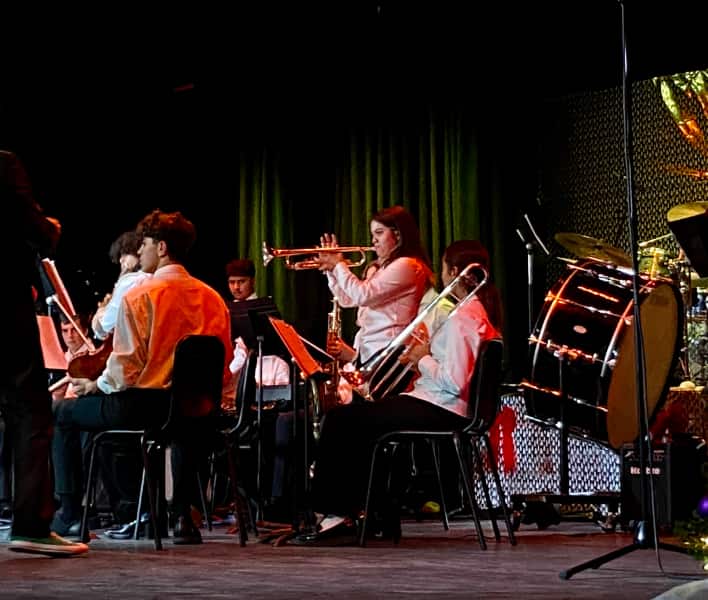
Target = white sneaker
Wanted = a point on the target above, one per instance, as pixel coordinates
(330, 522)
(53, 545)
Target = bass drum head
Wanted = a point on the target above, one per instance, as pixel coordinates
(661, 322)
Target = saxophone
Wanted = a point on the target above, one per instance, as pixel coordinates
(324, 397)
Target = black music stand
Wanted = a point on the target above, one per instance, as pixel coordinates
(645, 534)
(304, 366)
(250, 321)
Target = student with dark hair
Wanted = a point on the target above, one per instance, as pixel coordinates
(438, 400)
(133, 389)
(123, 252)
(241, 278)
(389, 298)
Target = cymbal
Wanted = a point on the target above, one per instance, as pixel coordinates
(684, 211)
(590, 247)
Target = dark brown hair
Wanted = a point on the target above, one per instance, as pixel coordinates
(409, 244)
(172, 228)
(126, 243)
(464, 252)
(241, 267)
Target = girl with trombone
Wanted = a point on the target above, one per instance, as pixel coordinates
(438, 400)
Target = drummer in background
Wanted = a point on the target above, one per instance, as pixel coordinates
(241, 279)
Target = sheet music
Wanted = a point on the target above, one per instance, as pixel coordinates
(308, 365)
(51, 348)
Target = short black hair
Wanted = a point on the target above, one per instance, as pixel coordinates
(241, 267)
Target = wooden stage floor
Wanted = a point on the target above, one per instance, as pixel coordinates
(427, 563)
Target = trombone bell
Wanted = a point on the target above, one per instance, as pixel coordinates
(310, 261)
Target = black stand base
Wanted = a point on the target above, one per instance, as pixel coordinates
(539, 507)
(641, 542)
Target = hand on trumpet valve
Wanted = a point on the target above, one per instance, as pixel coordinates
(328, 260)
(328, 240)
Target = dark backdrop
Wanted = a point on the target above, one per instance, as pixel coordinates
(110, 125)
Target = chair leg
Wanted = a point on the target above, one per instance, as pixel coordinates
(367, 502)
(464, 469)
(479, 468)
(436, 463)
(202, 500)
(139, 512)
(500, 490)
(239, 501)
(84, 534)
(151, 489)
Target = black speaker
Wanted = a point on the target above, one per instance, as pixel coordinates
(679, 484)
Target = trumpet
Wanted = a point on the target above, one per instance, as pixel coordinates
(312, 263)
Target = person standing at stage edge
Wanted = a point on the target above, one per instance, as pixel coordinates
(25, 401)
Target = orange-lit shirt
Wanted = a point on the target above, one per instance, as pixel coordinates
(152, 318)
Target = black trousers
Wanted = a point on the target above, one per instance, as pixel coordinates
(132, 409)
(26, 407)
(347, 440)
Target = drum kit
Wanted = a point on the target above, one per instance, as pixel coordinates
(582, 346)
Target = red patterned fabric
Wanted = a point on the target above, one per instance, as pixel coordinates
(501, 436)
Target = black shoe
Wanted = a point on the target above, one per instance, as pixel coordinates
(127, 531)
(185, 532)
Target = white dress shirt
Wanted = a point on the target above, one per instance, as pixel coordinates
(389, 300)
(445, 372)
(104, 320)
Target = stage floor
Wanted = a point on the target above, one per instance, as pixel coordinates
(429, 562)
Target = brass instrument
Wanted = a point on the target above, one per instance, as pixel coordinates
(326, 396)
(383, 374)
(311, 263)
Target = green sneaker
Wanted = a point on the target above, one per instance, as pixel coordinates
(50, 546)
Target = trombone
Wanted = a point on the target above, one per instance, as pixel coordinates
(383, 374)
(312, 263)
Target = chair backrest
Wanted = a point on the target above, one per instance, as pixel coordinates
(246, 391)
(197, 377)
(484, 389)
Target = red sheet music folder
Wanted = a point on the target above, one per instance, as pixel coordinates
(286, 332)
(51, 348)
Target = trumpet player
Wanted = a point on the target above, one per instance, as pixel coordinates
(388, 299)
(438, 400)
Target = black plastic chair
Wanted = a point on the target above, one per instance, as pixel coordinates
(195, 401)
(238, 431)
(483, 407)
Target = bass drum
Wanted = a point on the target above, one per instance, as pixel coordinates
(583, 346)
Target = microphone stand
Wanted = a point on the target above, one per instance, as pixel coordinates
(645, 534)
(530, 242)
(259, 441)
